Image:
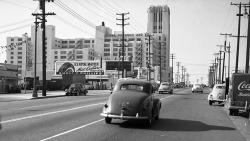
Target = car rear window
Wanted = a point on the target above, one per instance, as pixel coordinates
(131, 87)
(221, 87)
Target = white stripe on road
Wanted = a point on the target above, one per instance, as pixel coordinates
(50, 104)
(71, 130)
(50, 113)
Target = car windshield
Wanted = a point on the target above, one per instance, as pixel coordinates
(131, 87)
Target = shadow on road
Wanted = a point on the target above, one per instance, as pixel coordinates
(173, 125)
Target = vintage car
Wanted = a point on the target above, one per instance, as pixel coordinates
(132, 99)
(165, 87)
(197, 88)
(76, 89)
(217, 94)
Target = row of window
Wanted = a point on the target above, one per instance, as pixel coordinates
(72, 42)
(130, 39)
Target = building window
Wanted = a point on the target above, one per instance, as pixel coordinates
(138, 39)
(130, 49)
(19, 53)
(115, 49)
(159, 37)
(12, 62)
(19, 57)
(79, 57)
(131, 39)
(71, 46)
(12, 57)
(11, 39)
(106, 50)
(12, 53)
(115, 54)
(115, 45)
(19, 39)
(79, 52)
(130, 54)
(19, 48)
(106, 45)
(64, 46)
(115, 40)
(93, 41)
(63, 57)
(19, 71)
(56, 52)
(19, 62)
(87, 41)
(64, 42)
(107, 40)
(56, 57)
(86, 46)
(71, 42)
(63, 52)
(106, 54)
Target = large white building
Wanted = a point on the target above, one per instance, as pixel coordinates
(106, 44)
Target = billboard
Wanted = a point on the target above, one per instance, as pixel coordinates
(79, 67)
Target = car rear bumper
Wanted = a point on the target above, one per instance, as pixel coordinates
(123, 117)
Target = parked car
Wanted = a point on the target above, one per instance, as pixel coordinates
(132, 99)
(89, 86)
(165, 87)
(76, 89)
(217, 94)
(197, 88)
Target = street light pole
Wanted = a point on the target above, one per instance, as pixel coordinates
(25, 80)
(5, 62)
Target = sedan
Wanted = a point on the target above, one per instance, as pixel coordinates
(132, 99)
(76, 89)
(217, 94)
(197, 88)
(165, 87)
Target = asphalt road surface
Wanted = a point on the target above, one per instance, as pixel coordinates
(184, 116)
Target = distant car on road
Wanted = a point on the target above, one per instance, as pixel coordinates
(197, 88)
(217, 94)
(132, 99)
(89, 86)
(165, 87)
(76, 89)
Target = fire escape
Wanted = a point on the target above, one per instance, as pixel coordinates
(71, 55)
(138, 55)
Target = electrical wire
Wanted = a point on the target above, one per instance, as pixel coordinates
(15, 23)
(13, 29)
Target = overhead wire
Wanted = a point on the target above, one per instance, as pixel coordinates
(15, 23)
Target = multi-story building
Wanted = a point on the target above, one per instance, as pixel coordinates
(105, 45)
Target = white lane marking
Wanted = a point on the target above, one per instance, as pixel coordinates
(49, 104)
(74, 129)
(166, 97)
(50, 113)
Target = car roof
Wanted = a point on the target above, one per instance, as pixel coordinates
(143, 83)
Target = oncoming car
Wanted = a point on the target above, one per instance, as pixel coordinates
(165, 87)
(132, 99)
(76, 89)
(217, 94)
(197, 88)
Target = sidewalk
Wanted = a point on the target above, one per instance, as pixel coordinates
(49, 94)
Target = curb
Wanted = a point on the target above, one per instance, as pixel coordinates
(48, 97)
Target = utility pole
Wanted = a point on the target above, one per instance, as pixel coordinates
(43, 15)
(122, 14)
(248, 43)
(184, 75)
(178, 65)
(35, 81)
(149, 56)
(225, 46)
(238, 38)
(172, 57)
(182, 70)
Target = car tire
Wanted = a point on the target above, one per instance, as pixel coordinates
(192, 91)
(210, 102)
(158, 115)
(108, 120)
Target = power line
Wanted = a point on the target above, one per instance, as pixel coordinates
(15, 23)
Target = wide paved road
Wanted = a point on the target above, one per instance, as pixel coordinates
(184, 116)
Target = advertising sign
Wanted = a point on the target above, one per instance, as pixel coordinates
(79, 67)
(241, 87)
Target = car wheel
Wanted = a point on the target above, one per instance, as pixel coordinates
(108, 120)
(158, 115)
(192, 91)
(210, 102)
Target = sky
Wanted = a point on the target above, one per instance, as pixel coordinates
(195, 26)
